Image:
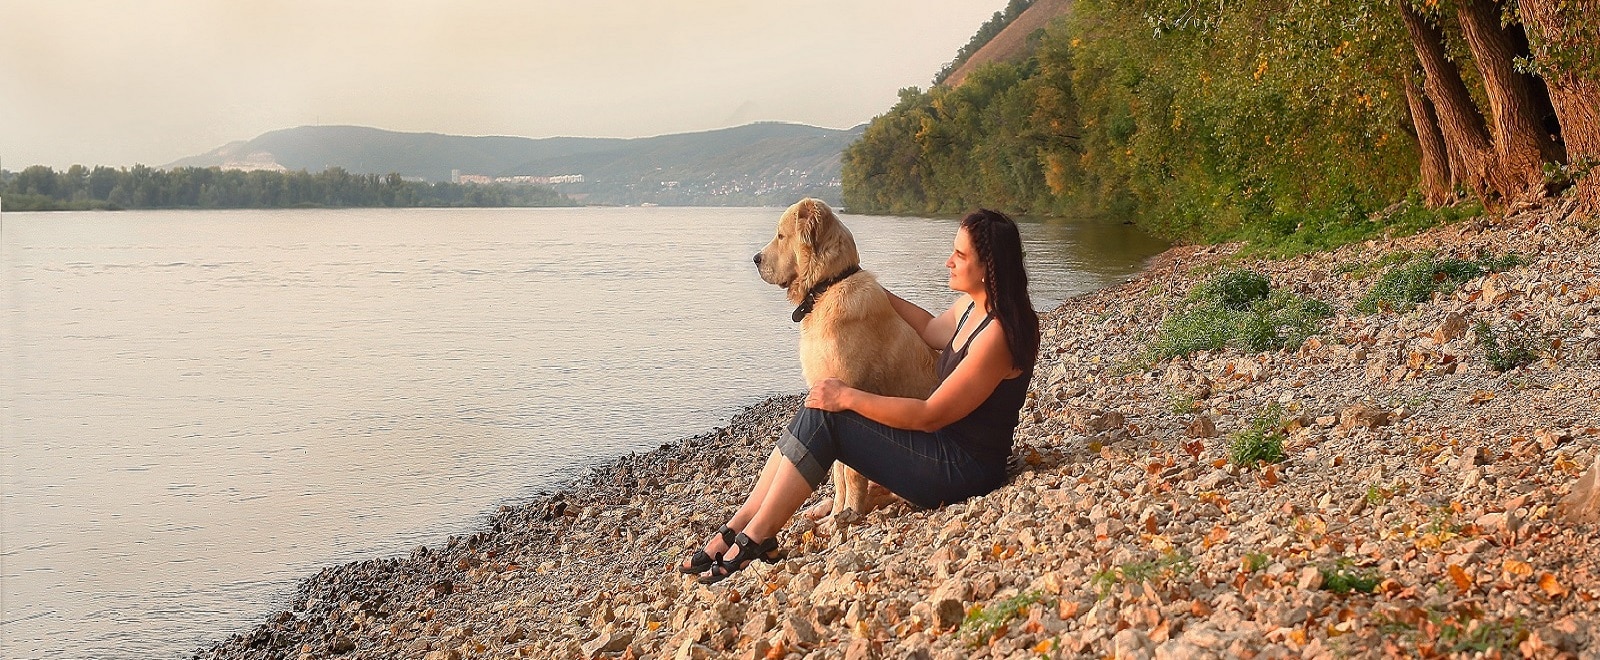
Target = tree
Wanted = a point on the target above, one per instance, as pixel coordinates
(1564, 37)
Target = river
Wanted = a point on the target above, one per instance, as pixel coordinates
(202, 408)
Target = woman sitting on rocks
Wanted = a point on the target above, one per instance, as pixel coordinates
(933, 452)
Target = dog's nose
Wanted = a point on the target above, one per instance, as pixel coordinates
(757, 259)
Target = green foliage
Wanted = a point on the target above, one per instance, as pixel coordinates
(43, 189)
(1255, 561)
(984, 622)
(1402, 287)
(1512, 344)
(1448, 633)
(1262, 442)
(1239, 309)
(1168, 566)
(1341, 577)
(1236, 290)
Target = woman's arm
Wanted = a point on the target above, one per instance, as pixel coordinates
(988, 362)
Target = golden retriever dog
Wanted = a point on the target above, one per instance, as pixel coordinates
(848, 329)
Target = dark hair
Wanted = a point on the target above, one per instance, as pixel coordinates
(999, 248)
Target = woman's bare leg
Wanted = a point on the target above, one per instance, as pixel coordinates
(752, 504)
(785, 491)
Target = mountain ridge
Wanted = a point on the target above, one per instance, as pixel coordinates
(763, 162)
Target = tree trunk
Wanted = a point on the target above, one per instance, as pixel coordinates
(1437, 186)
(1576, 97)
(1459, 120)
(1521, 145)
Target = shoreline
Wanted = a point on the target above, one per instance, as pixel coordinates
(1123, 530)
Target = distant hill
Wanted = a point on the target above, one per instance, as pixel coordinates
(762, 163)
(1011, 43)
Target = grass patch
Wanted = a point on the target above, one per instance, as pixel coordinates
(1342, 577)
(1169, 566)
(1403, 286)
(1255, 561)
(1510, 345)
(1239, 309)
(1262, 442)
(1293, 233)
(1449, 633)
(982, 623)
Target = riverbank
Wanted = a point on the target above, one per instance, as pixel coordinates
(1413, 471)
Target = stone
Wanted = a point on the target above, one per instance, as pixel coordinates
(1177, 649)
(1310, 578)
(1452, 327)
(1131, 644)
(798, 631)
(1202, 427)
(1582, 505)
(860, 649)
(1363, 416)
(691, 651)
(443, 654)
(948, 613)
(1495, 291)
(612, 642)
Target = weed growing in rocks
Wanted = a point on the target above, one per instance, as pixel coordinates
(1168, 566)
(1510, 345)
(1342, 577)
(983, 623)
(1403, 286)
(1255, 561)
(1448, 633)
(1238, 308)
(1262, 442)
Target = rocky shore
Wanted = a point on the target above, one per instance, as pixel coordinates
(1417, 511)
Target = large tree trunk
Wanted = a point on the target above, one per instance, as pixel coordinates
(1521, 145)
(1438, 187)
(1576, 97)
(1459, 120)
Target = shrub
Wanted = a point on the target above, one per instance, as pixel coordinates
(1262, 442)
(983, 622)
(1236, 289)
(1239, 309)
(1511, 345)
(1403, 286)
(1342, 577)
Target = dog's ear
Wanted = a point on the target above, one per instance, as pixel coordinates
(814, 218)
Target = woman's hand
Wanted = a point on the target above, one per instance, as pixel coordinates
(828, 395)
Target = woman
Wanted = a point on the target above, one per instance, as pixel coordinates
(933, 452)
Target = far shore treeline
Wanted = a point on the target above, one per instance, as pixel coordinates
(1293, 125)
(41, 188)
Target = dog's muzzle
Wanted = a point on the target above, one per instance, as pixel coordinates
(757, 259)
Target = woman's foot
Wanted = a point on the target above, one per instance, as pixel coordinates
(744, 551)
(704, 560)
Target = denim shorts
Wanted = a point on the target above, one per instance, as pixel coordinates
(929, 470)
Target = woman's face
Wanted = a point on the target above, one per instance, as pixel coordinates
(966, 271)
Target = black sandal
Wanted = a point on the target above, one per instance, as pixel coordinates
(749, 551)
(700, 562)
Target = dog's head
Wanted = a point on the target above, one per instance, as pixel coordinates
(811, 246)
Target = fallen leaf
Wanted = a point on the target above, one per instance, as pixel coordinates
(1551, 586)
(1269, 476)
(1516, 569)
(1219, 462)
(1217, 535)
(1044, 646)
(1462, 580)
(1481, 396)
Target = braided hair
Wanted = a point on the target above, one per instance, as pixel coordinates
(999, 246)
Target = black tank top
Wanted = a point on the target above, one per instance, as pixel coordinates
(989, 427)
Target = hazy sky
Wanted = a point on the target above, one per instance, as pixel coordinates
(116, 83)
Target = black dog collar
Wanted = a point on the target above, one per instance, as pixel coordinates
(816, 291)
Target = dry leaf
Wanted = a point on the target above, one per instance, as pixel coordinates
(1462, 580)
(1219, 462)
(1044, 647)
(653, 625)
(1481, 396)
(1515, 569)
(1551, 586)
(1269, 476)
(1217, 535)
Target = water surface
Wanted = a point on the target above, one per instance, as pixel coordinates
(202, 408)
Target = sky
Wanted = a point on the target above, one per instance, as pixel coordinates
(118, 83)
